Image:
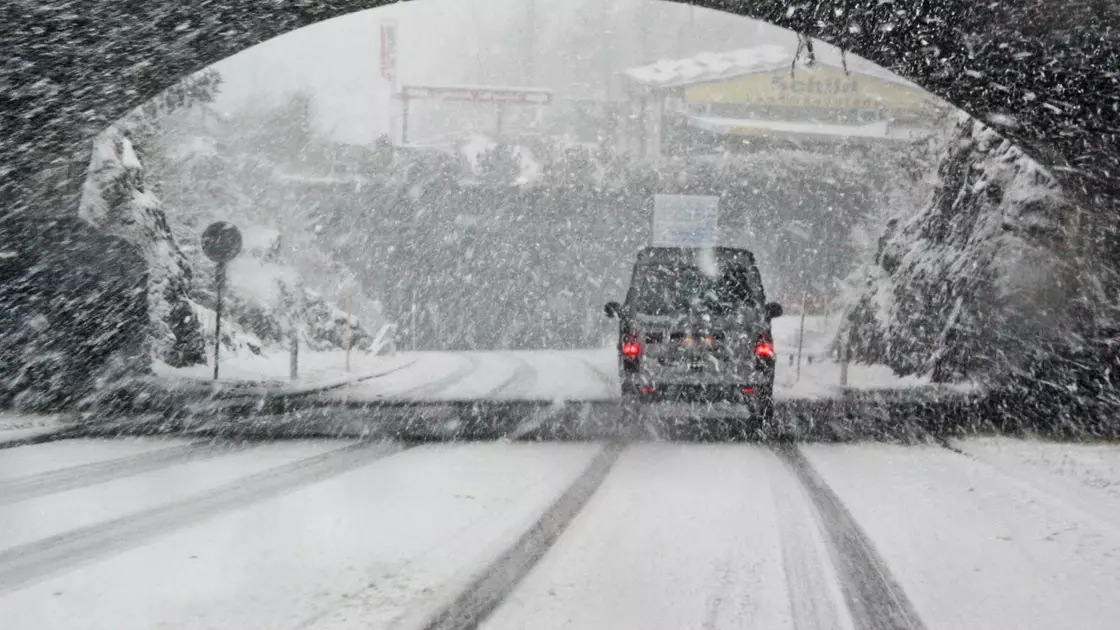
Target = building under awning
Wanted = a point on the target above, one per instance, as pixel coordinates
(766, 92)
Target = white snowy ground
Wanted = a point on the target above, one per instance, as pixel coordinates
(977, 545)
(338, 535)
(819, 373)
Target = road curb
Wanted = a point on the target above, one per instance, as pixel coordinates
(51, 435)
(246, 389)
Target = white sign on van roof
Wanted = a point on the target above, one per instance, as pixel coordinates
(685, 221)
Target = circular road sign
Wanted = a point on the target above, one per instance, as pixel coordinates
(221, 242)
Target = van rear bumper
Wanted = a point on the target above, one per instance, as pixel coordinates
(744, 393)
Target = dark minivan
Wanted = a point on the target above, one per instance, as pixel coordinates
(695, 328)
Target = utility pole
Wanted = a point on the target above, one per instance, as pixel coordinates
(607, 43)
(643, 32)
(685, 31)
(413, 320)
(405, 103)
(530, 41)
(389, 69)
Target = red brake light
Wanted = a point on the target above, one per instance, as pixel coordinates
(764, 349)
(646, 390)
(631, 349)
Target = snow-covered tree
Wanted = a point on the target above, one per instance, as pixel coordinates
(535, 261)
(499, 166)
(117, 199)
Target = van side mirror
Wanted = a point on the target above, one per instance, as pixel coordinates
(773, 310)
(612, 309)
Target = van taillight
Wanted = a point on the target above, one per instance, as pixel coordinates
(630, 347)
(763, 347)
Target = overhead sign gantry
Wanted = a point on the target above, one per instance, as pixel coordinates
(499, 96)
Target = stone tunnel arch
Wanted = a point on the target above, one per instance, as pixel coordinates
(1043, 72)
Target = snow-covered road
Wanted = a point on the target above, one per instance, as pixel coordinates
(989, 533)
(591, 375)
(541, 375)
(676, 537)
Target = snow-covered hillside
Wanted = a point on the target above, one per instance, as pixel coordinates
(189, 167)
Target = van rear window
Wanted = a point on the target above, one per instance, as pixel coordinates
(676, 290)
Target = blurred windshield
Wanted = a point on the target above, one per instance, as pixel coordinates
(341, 289)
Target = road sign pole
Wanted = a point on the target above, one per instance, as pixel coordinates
(221, 242)
(531, 41)
(219, 282)
(389, 68)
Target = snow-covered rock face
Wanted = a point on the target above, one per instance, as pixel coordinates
(73, 311)
(117, 200)
(982, 278)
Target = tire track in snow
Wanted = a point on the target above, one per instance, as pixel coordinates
(360, 379)
(39, 560)
(521, 382)
(486, 590)
(470, 366)
(55, 481)
(609, 382)
(816, 600)
(873, 596)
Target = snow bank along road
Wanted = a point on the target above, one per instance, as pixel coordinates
(526, 375)
(175, 533)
